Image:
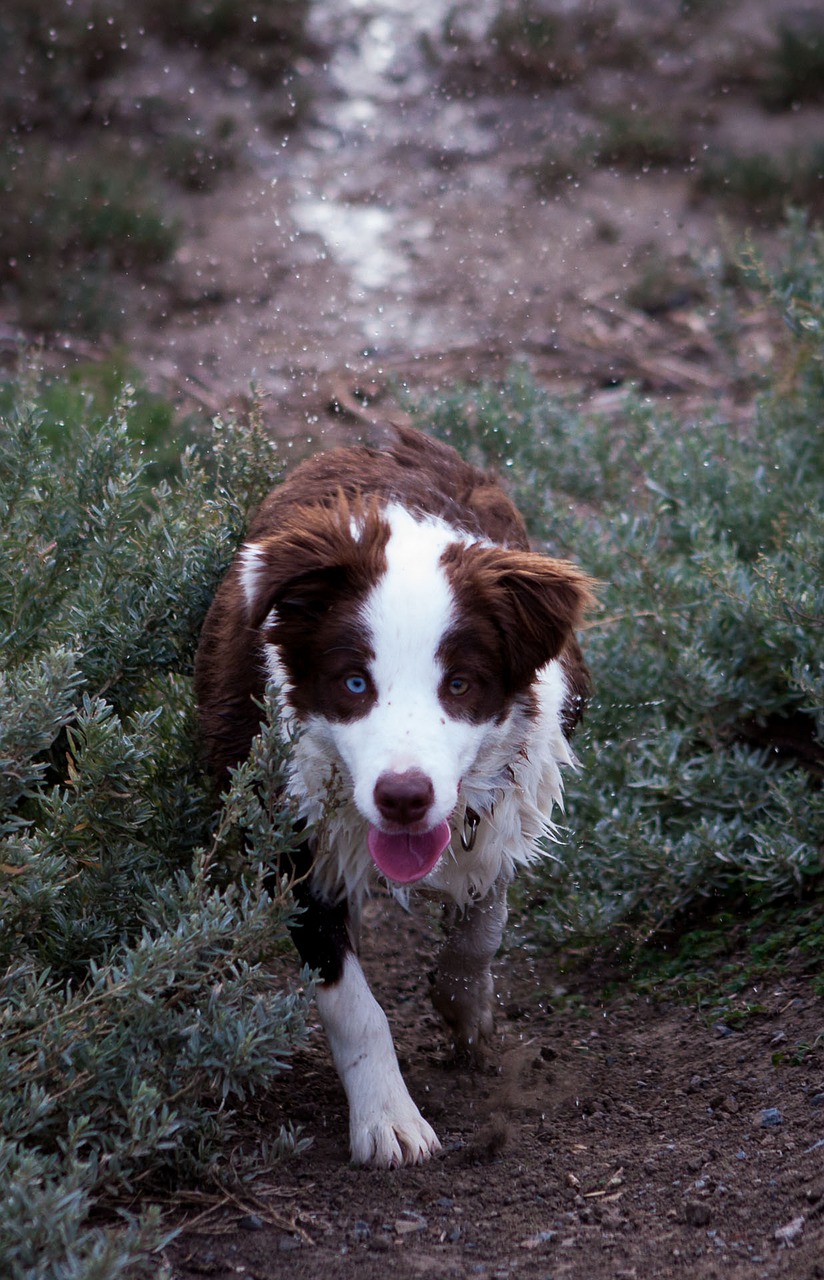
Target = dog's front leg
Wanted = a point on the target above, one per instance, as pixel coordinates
(386, 1129)
(462, 988)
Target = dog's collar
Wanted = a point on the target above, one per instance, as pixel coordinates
(471, 823)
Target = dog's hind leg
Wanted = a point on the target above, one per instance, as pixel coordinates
(462, 988)
(386, 1129)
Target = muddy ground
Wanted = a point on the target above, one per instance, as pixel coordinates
(607, 1137)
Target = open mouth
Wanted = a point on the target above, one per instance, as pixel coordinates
(407, 857)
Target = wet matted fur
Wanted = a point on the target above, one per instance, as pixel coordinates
(429, 658)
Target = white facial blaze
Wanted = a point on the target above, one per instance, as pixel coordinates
(407, 615)
(507, 770)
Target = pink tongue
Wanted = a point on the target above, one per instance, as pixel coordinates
(406, 858)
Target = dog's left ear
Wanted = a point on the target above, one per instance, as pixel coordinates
(539, 603)
(535, 603)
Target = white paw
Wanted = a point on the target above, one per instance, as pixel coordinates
(386, 1129)
(388, 1139)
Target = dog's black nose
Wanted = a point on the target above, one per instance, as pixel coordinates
(404, 798)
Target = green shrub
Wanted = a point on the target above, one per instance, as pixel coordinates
(261, 36)
(83, 175)
(664, 283)
(797, 71)
(91, 391)
(68, 225)
(138, 1009)
(54, 54)
(552, 172)
(536, 43)
(637, 140)
(704, 745)
(761, 186)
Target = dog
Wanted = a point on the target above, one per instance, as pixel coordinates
(428, 660)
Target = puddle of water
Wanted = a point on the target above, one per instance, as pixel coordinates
(356, 240)
(384, 100)
(356, 236)
(379, 52)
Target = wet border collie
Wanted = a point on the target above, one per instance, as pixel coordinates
(429, 661)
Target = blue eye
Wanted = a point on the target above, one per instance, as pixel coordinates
(356, 684)
(458, 686)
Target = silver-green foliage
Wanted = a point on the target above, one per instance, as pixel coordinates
(136, 1014)
(702, 751)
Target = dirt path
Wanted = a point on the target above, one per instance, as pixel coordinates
(607, 1139)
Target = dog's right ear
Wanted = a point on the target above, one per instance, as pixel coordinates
(311, 559)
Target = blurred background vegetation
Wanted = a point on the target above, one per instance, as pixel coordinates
(90, 180)
(85, 187)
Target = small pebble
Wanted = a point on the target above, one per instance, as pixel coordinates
(696, 1213)
(251, 1222)
(410, 1223)
(540, 1238)
(770, 1117)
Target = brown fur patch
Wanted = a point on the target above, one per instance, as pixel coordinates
(520, 608)
(316, 548)
(424, 475)
(517, 609)
(314, 573)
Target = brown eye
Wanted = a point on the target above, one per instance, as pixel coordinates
(458, 686)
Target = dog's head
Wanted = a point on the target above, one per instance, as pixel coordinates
(404, 647)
